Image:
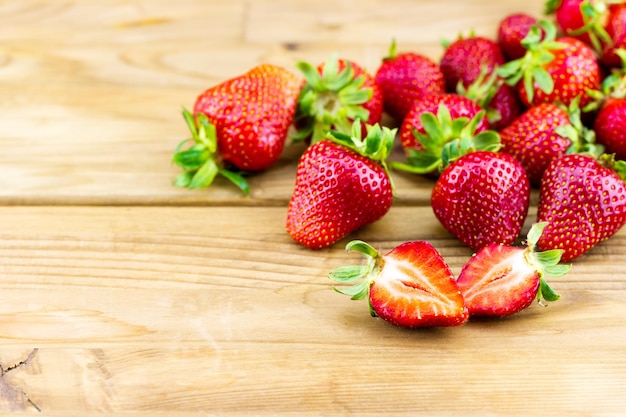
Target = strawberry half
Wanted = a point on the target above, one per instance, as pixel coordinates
(411, 286)
(501, 280)
(584, 201)
(242, 123)
(342, 184)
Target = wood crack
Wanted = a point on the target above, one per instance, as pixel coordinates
(11, 394)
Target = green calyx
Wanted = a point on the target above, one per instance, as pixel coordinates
(376, 145)
(593, 14)
(360, 277)
(482, 91)
(545, 263)
(617, 165)
(613, 85)
(331, 99)
(199, 158)
(583, 139)
(392, 53)
(445, 140)
(530, 69)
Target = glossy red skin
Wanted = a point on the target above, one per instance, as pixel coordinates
(416, 288)
(482, 198)
(569, 18)
(584, 203)
(533, 141)
(498, 281)
(337, 191)
(511, 30)
(574, 70)
(463, 59)
(458, 106)
(406, 78)
(616, 28)
(252, 114)
(610, 127)
(508, 105)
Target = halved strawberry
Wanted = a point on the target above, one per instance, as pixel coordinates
(501, 280)
(411, 286)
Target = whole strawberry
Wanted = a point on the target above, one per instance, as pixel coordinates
(464, 59)
(553, 70)
(335, 94)
(544, 132)
(456, 105)
(411, 286)
(584, 201)
(406, 77)
(501, 280)
(342, 184)
(482, 198)
(610, 127)
(242, 123)
(511, 30)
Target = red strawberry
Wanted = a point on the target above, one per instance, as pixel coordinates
(616, 31)
(406, 77)
(553, 70)
(610, 127)
(463, 60)
(482, 198)
(341, 185)
(458, 106)
(242, 122)
(411, 286)
(584, 201)
(501, 280)
(335, 94)
(544, 132)
(511, 30)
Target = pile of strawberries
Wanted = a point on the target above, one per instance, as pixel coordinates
(542, 104)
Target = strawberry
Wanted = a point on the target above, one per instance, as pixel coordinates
(242, 123)
(406, 77)
(616, 31)
(441, 137)
(610, 127)
(335, 94)
(342, 184)
(463, 60)
(552, 70)
(544, 132)
(511, 30)
(458, 107)
(584, 200)
(501, 280)
(482, 198)
(410, 286)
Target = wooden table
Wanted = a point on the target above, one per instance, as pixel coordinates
(120, 293)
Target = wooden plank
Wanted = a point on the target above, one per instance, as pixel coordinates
(216, 310)
(92, 92)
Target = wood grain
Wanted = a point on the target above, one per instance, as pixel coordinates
(121, 294)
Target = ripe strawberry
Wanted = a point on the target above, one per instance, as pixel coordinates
(342, 184)
(501, 280)
(553, 70)
(511, 30)
(584, 201)
(242, 122)
(458, 107)
(610, 127)
(544, 132)
(616, 30)
(463, 60)
(411, 286)
(335, 94)
(482, 198)
(406, 77)
(442, 137)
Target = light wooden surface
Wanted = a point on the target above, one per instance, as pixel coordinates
(122, 294)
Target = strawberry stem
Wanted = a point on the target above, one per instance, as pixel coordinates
(198, 156)
(363, 274)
